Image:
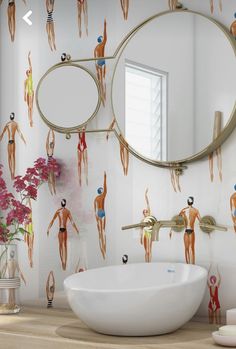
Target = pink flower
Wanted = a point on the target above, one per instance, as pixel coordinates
(31, 192)
(19, 184)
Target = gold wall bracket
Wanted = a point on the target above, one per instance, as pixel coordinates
(208, 225)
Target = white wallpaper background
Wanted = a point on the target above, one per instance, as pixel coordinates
(125, 198)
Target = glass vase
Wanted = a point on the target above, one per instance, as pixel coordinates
(9, 279)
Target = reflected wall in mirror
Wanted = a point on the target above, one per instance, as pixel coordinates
(68, 96)
(170, 78)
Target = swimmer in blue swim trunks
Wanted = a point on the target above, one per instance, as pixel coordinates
(233, 207)
(99, 51)
(101, 215)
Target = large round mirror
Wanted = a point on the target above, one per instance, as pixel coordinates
(68, 97)
(172, 75)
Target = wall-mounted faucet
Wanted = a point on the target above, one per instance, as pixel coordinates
(150, 222)
(207, 225)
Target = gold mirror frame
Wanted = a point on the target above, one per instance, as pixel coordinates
(228, 128)
(179, 164)
(55, 127)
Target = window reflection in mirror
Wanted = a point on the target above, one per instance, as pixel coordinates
(146, 94)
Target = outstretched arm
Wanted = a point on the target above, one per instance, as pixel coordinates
(198, 216)
(105, 33)
(2, 134)
(51, 223)
(73, 223)
(105, 184)
(20, 133)
(29, 60)
(147, 201)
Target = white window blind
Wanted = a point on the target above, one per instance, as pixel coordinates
(145, 109)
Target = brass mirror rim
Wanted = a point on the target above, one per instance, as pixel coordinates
(228, 128)
(62, 129)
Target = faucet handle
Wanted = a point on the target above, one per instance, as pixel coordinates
(208, 224)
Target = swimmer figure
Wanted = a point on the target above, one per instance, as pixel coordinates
(190, 214)
(233, 207)
(125, 8)
(50, 145)
(63, 214)
(100, 215)
(146, 233)
(29, 91)
(82, 6)
(99, 51)
(213, 284)
(11, 128)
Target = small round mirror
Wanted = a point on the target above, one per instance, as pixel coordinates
(173, 74)
(68, 96)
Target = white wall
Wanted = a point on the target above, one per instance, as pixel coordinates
(125, 197)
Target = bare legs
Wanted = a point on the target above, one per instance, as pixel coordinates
(124, 156)
(212, 6)
(147, 242)
(11, 159)
(52, 183)
(82, 159)
(175, 180)
(30, 103)
(51, 35)
(189, 243)
(214, 316)
(62, 237)
(125, 8)
(219, 164)
(172, 4)
(101, 74)
(82, 9)
(11, 13)
(29, 238)
(101, 224)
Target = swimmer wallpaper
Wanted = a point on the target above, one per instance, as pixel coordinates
(99, 51)
(189, 214)
(82, 153)
(82, 7)
(102, 186)
(145, 234)
(50, 24)
(63, 215)
(100, 215)
(29, 90)
(125, 8)
(10, 129)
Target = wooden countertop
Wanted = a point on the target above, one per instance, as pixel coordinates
(38, 328)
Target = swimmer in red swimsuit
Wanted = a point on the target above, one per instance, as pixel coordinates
(82, 155)
(213, 283)
(82, 6)
(63, 214)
